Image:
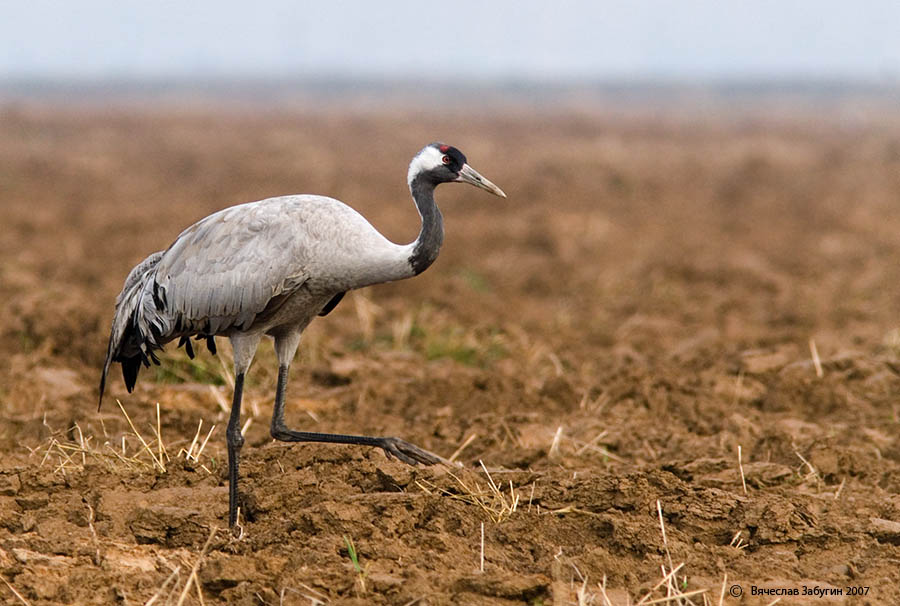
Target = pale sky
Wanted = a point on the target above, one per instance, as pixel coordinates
(477, 39)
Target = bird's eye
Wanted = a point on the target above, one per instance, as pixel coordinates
(446, 159)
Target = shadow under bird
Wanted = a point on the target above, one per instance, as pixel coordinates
(269, 268)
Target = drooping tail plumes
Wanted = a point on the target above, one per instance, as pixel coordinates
(137, 325)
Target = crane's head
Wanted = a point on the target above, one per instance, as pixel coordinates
(440, 163)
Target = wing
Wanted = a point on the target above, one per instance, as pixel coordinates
(225, 269)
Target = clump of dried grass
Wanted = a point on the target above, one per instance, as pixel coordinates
(72, 450)
(493, 499)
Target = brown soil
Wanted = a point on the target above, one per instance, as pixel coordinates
(605, 341)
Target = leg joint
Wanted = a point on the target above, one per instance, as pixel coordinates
(234, 437)
(280, 432)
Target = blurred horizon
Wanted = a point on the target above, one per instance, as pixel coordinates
(825, 104)
(694, 58)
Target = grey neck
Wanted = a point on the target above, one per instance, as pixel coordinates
(428, 244)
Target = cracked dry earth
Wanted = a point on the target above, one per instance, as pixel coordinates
(604, 341)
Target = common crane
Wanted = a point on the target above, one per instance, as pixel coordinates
(269, 268)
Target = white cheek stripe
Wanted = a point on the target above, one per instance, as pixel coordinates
(427, 159)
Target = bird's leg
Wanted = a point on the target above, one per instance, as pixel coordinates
(243, 346)
(406, 452)
(235, 441)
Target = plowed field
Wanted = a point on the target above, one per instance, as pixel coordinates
(671, 324)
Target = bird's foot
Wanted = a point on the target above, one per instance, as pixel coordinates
(408, 453)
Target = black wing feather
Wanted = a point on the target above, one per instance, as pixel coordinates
(332, 304)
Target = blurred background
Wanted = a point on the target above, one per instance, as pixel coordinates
(698, 253)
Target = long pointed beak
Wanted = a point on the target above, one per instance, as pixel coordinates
(470, 175)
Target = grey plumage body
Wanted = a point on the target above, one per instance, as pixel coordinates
(261, 268)
(268, 268)
(257, 267)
